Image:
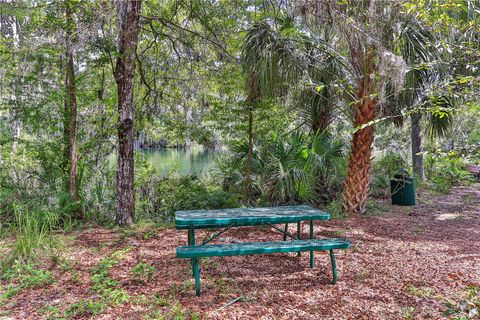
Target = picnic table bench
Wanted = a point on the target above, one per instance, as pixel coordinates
(226, 219)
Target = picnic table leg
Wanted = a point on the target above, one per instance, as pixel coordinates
(196, 274)
(299, 235)
(334, 267)
(312, 256)
(191, 242)
(285, 234)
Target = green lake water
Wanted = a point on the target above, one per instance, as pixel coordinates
(195, 160)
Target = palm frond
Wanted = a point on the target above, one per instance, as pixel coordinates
(440, 115)
(269, 60)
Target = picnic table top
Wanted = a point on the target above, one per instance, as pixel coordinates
(247, 216)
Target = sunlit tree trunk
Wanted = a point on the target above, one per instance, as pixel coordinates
(356, 184)
(16, 123)
(70, 125)
(128, 16)
(417, 148)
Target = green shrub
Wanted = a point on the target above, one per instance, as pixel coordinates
(445, 170)
(159, 197)
(290, 168)
(114, 296)
(335, 209)
(383, 169)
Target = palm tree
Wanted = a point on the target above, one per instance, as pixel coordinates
(366, 29)
(269, 63)
(286, 175)
(274, 63)
(417, 47)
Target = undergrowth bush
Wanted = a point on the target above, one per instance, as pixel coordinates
(445, 170)
(158, 197)
(383, 169)
(334, 207)
(143, 272)
(32, 229)
(289, 168)
(85, 308)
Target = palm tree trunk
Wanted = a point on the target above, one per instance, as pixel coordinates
(356, 184)
(128, 15)
(246, 183)
(417, 148)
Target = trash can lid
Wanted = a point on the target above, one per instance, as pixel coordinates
(403, 175)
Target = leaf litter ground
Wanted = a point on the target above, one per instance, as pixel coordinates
(405, 262)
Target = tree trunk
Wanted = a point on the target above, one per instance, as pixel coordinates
(16, 123)
(417, 148)
(356, 184)
(70, 127)
(246, 182)
(128, 16)
(322, 112)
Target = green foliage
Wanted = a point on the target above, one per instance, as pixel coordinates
(22, 276)
(445, 170)
(191, 87)
(103, 284)
(85, 308)
(114, 296)
(290, 168)
(268, 60)
(32, 229)
(383, 170)
(159, 197)
(165, 308)
(143, 272)
(334, 207)
(468, 308)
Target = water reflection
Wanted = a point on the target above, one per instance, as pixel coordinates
(194, 160)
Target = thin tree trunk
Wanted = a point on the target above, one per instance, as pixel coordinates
(66, 129)
(253, 95)
(128, 16)
(70, 130)
(355, 191)
(246, 183)
(16, 123)
(417, 148)
(322, 113)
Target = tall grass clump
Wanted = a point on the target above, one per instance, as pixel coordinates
(32, 230)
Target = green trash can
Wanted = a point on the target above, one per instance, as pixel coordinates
(402, 189)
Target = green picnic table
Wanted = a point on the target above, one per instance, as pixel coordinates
(225, 219)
